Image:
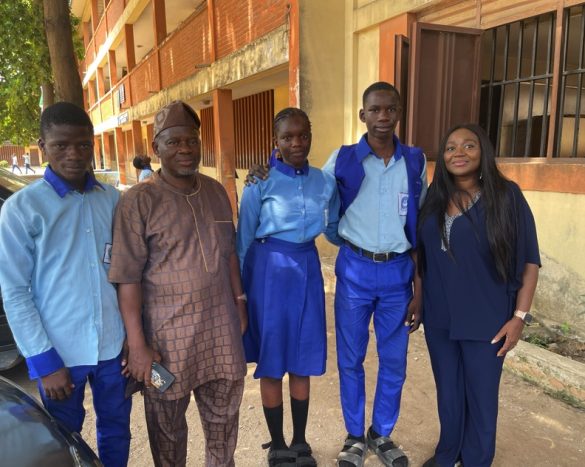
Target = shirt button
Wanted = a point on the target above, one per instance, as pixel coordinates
(93, 265)
(300, 187)
(88, 230)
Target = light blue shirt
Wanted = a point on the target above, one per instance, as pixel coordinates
(375, 219)
(145, 173)
(295, 205)
(55, 247)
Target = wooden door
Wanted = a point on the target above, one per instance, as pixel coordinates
(444, 88)
(401, 50)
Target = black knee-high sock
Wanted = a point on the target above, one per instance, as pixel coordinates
(273, 417)
(300, 412)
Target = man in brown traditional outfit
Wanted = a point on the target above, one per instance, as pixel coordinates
(180, 294)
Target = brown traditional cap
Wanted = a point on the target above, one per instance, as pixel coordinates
(177, 113)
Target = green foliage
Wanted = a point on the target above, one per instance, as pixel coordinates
(24, 67)
(537, 339)
(565, 328)
(4, 164)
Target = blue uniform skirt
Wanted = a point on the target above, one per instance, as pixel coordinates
(286, 309)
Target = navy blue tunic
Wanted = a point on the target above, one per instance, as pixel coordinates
(463, 292)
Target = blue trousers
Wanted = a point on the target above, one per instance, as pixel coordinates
(111, 407)
(384, 290)
(467, 376)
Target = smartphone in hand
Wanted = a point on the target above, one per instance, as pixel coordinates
(160, 378)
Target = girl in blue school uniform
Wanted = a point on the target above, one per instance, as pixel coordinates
(479, 260)
(279, 220)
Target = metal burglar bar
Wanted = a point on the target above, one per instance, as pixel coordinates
(570, 141)
(253, 117)
(207, 140)
(517, 76)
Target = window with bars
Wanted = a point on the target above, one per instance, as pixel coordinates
(570, 141)
(253, 116)
(517, 86)
(207, 140)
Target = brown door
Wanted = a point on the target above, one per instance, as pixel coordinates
(444, 86)
(401, 48)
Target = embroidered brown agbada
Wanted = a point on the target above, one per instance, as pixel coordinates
(177, 245)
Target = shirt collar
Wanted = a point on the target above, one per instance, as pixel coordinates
(62, 187)
(363, 149)
(289, 170)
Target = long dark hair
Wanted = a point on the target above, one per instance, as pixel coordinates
(500, 218)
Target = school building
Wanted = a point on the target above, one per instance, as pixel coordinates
(516, 67)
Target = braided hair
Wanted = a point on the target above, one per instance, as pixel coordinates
(287, 113)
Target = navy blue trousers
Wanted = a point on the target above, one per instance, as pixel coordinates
(111, 407)
(384, 290)
(467, 376)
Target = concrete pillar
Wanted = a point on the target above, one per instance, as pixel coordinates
(87, 33)
(91, 90)
(137, 146)
(212, 31)
(130, 54)
(121, 151)
(97, 151)
(107, 151)
(224, 139)
(95, 18)
(112, 67)
(101, 84)
(149, 138)
(294, 40)
(159, 21)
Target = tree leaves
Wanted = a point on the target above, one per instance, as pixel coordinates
(24, 67)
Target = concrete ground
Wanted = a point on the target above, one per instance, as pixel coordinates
(534, 429)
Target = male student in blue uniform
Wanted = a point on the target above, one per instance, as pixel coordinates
(63, 311)
(381, 184)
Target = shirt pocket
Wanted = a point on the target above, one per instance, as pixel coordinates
(224, 230)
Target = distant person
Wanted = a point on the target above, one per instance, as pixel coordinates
(27, 166)
(175, 263)
(479, 261)
(142, 163)
(279, 221)
(55, 243)
(15, 164)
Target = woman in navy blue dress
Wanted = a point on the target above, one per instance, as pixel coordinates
(479, 260)
(281, 273)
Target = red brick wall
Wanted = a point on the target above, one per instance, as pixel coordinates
(238, 22)
(114, 11)
(144, 79)
(100, 33)
(188, 47)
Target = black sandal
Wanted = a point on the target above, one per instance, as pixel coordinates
(304, 454)
(280, 457)
(354, 452)
(387, 451)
